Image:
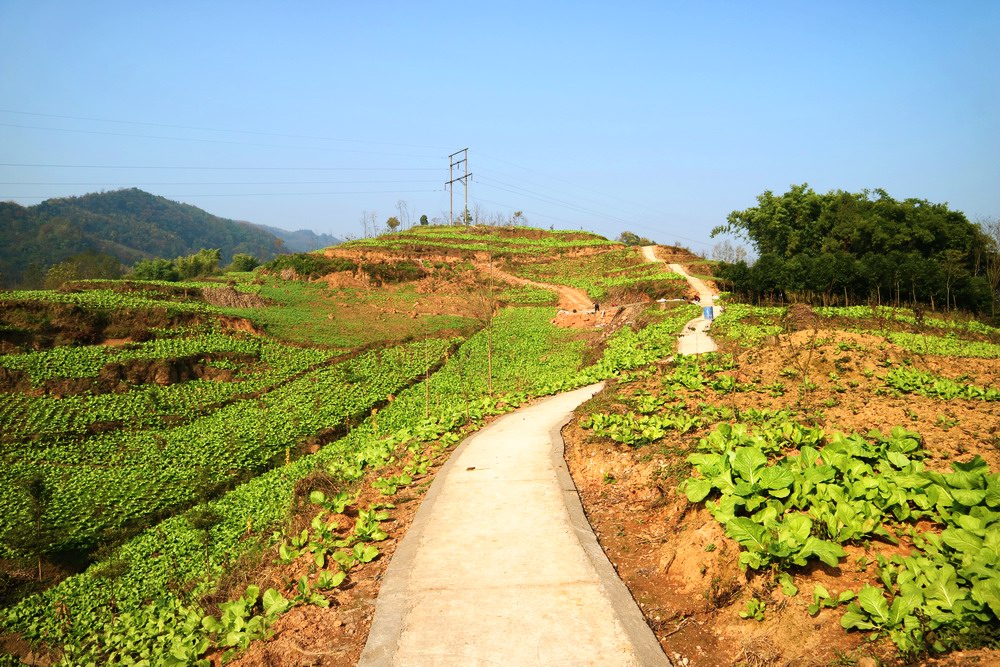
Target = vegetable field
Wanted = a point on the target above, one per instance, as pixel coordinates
(842, 478)
(159, 464)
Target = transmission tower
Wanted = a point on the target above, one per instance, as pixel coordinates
(454, 164)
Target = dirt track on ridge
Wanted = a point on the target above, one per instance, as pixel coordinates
(570, 298)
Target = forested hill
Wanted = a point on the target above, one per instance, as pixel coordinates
(302, 240)
(126, 224)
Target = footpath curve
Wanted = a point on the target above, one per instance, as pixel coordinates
(694, 339)
(501, 567)
(570, 298)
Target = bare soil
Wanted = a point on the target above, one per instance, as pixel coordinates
(674, 556)
(122, 376)
(40, 325)
(229, 297)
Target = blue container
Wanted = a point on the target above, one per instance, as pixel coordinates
(708, 313)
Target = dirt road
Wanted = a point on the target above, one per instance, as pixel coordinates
(570, 298)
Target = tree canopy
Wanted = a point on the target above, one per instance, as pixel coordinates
(205, 262)
(856, 247)
(631, 238)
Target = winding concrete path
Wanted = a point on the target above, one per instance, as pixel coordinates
(501, 567)
(694, 339)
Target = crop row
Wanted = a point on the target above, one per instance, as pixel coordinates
(497, 246)
(40, 418)
(106, 481)
(486, 239)
(913, 381)
(598, 274)
(750, 325)
(109, 300)
(528, 295)
(87, 361)
(906, 316)
(948, 345)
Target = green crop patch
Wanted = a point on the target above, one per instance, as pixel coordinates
(787, 509)
(749, 325)
(912, 381)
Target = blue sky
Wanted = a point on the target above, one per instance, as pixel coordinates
(658, 117)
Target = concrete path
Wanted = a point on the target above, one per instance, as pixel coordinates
(501, 567)
(694, 339)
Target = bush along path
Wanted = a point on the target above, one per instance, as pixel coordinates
(500, 565)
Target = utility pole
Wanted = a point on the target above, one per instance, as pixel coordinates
(452, 165)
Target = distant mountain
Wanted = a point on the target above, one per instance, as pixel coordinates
(129, 225)
(302, 240)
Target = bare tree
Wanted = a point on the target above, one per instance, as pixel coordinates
(991, 230)
(403, 209)
(724, 251)
(368, 224)
(478, 216)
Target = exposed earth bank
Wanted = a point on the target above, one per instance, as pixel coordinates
(674, 556)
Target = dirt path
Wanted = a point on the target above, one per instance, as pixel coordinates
(570, 298)
(695, 339)
(501, 566)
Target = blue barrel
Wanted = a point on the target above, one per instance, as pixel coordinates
(708, 313)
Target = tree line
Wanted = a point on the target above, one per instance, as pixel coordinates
(856, 248)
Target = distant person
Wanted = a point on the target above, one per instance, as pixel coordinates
(597, 307)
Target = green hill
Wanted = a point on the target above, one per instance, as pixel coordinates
(302, 240)
(128, 225)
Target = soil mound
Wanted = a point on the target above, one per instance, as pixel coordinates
(41, 325)
(800, 317)
(121, 376)
(227, 297)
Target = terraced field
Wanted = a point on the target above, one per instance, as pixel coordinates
(162, 447)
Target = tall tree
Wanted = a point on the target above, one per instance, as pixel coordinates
(835, 243)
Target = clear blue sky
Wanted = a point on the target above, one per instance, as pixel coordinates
(658, 117)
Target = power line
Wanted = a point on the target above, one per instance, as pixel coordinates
(158, 183)
(555, 178)
(211, 141)
(533, 214)
(562, 192)
(216, 129)
(253, 194)
(552, 200)
(213, 168)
